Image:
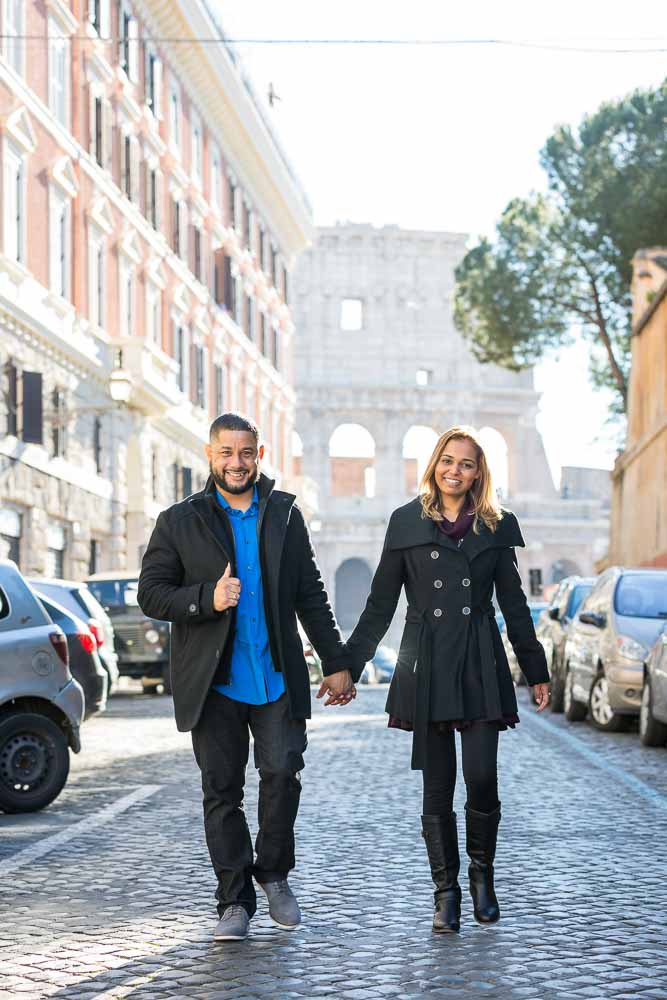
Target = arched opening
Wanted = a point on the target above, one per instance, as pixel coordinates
(352, 457)
(562, 568)
(352, 583)
(495, 449)
(418, 445)
(297, 454)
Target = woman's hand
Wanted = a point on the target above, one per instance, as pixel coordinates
(541, 696)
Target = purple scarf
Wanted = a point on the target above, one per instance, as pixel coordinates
(459, 528)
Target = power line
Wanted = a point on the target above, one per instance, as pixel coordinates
(548, 46)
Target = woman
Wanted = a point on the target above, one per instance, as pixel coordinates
(449, 548)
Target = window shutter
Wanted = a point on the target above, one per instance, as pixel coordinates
(32, 410)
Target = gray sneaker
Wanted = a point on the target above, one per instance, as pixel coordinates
(232, 925)
(283, 907)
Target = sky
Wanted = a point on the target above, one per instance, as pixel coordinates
(442, 137)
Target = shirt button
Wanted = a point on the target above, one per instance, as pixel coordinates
(192, 608)
(465, 581)
(466, 611)
(435, 554)
(438, 612)
(437, 584)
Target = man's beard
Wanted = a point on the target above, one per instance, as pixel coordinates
(233, 487)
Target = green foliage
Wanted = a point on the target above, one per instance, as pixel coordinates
(561, 263)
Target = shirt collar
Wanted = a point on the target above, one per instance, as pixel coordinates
(252, 509)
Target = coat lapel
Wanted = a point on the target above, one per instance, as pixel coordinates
(203, 505)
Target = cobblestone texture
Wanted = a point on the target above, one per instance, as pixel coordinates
(126, 909)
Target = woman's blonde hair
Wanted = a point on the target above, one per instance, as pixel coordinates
(485, 504)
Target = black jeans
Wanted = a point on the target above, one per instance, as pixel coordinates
(479, 750)
(221, 743)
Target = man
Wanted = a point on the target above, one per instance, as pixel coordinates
(232, 567)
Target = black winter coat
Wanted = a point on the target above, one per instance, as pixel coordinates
(188, 552)
(450, 636)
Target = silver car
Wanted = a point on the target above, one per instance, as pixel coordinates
(653, 711)
(608, 644)
(41, 705)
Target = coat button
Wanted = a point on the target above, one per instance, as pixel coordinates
(438, 612)
(435, 554)
(437, 584)
(465, 581)
(466, 611)
(192, 608)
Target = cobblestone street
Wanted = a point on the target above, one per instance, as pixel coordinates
(109, 892)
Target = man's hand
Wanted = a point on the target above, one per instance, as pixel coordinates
(227, 591)
(338, 687)
(541, 696)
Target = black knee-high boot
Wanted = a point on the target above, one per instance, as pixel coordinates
(481, 837)
(442, 846)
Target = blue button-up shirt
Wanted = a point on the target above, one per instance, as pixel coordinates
(253, 679)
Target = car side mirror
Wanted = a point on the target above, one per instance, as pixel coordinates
(595, 618)
(553, 613)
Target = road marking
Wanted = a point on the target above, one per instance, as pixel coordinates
(638, 786)
(48, 844)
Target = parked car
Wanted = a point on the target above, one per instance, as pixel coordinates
(77, 598)
(553, 629)
(653, 709)
(608, 645)
(41, 704)
(84, 663)
(380, 669)
(536, 610)
(142, 643)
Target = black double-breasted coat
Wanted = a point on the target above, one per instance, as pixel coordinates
(451, 662)
(190, 547)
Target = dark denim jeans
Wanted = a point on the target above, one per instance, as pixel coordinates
(221, 743)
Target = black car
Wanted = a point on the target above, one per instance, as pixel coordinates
(553, 628)
(84, 663)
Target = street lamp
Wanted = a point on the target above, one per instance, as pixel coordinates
(120, 384)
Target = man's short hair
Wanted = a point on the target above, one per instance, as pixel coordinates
(233, 422)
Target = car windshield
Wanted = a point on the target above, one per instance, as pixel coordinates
(576, 597)
(115, 593)
(642, 595)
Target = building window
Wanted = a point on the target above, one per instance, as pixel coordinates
(13, 29)
(95, 16)
(97, 443)
(55, 551)
(14, 208)
(32, 408)
(94, 557)
(219, 372)
(153, 314)
(275, 349)
(285, 285)
(232, 203)
(96, 282)
(197, 147)
(153, 81)
(175, 226)
(10, 392)
(59, 63)
(200, 376)
(97, 130)
(351, 314)
(60, 243)
(186, 481)
(127, 317)
(273, 261)
(181, 356)
(10, 535)
(128, 43)
(245, 225)
(174, 115)
(262, 247)
(59, 423)
(263, 342)
(216, 174)
(197, 269)
(155, 467)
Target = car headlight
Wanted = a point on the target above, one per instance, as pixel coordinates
(630, 648)
(152, 635)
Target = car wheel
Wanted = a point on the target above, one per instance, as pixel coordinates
(34, 762)
(651, 732)
(149, 688)
(575, 711)
(166, 679)
(556, 700)
(602, 714)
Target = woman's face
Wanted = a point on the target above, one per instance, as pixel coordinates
(457, 468)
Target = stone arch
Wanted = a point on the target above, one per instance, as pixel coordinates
(352, 461)
(562, 568)
(418, 444)
(497, 455)
(352, 585)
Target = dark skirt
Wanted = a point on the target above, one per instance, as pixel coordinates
(456, 725)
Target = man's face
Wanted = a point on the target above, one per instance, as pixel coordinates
(234, 459)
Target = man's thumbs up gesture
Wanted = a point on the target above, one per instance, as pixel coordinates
(227, 591)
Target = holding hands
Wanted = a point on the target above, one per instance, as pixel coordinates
(339, 688)
(227, 591)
